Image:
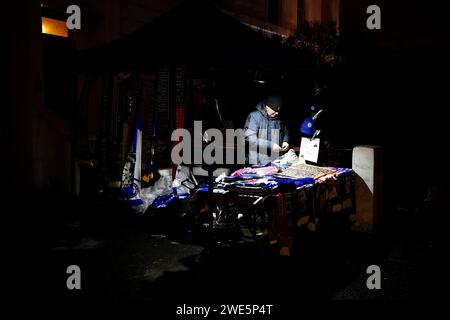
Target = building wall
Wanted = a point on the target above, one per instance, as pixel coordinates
(105, 20)
(276, 15)
(312, 11)
(38, 140)
(290, 13)
(24, 92)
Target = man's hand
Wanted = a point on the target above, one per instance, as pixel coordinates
(276, 148)
(284, 146)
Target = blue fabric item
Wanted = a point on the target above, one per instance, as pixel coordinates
(135, 202)
(164, 201)
(203, 187)
(297, 182)
(129, 192)
(251, 183)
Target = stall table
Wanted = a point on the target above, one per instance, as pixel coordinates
(275, 206)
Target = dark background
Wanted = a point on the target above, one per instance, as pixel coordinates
(391, 90)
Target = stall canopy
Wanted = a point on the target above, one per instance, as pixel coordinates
(195, 31)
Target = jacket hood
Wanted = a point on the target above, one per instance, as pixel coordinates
(262, 108)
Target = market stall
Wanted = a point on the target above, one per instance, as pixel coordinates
(268, 204)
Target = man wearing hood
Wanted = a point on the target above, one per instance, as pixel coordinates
(265, 133)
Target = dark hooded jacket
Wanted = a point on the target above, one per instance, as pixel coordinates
(260, 137)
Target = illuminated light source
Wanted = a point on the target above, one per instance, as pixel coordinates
(309, 126)
(54, 27)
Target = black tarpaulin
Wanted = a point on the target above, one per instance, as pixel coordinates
(192, 32)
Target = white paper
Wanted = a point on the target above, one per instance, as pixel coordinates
(309, 149)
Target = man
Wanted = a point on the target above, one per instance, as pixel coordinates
(265, 133)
